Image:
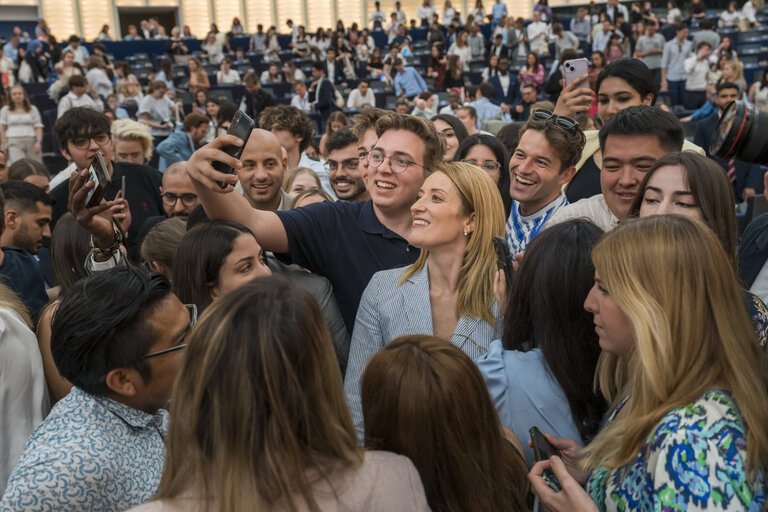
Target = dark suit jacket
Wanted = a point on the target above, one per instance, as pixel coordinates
(513, 91)
(324, 99)
(255, 103)
(499, 51)
(747, 175)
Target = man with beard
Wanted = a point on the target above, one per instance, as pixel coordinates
(27, 217)
(343, 165)
(261, 176)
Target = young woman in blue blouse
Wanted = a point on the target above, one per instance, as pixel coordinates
(687, 430)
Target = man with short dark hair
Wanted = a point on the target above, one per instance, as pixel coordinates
(347, 242)
(25, 226)
(78, 96)
(408, 81)
(83, 132)
(650, 48)
(323, 92)
(468, 117)
(179, 146)
(631, 142)
(256, 99)
(483, 106)
(746, 178)
(118, 337)
(294, 130)
(544, 160)
(80, 51)
(521, 110)
(344, 166)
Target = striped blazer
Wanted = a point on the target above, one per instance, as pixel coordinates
(388, 311)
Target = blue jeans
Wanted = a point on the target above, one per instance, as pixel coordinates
(676, 92)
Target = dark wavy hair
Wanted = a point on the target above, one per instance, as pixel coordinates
(542, 313)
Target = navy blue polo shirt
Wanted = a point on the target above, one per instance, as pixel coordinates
(346, 243)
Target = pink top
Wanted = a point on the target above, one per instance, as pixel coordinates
(383, 482)
(535, 79)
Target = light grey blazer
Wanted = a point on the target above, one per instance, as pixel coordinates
(388, 311)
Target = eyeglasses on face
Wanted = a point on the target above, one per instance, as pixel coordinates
(487, 165)
(85, 141)
(192, 310)
(561, 121)
(170, 199)
(397, 164)
(350, 164)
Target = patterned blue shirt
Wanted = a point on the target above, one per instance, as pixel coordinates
(90, 454)
(521, 229)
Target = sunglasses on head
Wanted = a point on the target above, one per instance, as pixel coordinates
(561, 121)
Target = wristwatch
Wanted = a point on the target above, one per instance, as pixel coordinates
(111, 250)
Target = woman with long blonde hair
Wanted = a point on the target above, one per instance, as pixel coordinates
(448, 291)
(258, 419)
(686, 379)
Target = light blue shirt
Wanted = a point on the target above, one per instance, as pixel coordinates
(498, 10)
(526, 394)
(11, 52)
(90, 454)
(410, 81)
(521, 229)
(485, 110)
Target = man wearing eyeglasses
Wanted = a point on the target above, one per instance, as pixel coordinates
(544, 161)
(344, 166)
(346, 242)
(82, 132)
(118, 337)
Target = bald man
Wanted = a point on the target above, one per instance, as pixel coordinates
(177, 191)
(261, 177)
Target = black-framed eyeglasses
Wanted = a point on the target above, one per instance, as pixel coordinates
(170, 199)
(561, 121)
(192, 310)
(350, 164)
(487, 165)
(397, 164)
(83, 142)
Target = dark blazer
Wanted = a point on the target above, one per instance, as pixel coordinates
(324, 100)
(747, 175)
(253, 104)
(753, 252)
(513, 91)
(499, 51)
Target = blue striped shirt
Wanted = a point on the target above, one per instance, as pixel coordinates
(521, 229)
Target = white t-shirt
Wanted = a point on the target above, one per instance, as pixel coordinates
(159, 111)
(231, 77)
(357, 100)
(20, 124)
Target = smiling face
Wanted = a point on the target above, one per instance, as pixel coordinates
(390, 191)
(344, 174)
(535, 173)
(611, 323)
(626, 159)
(616, 94)
(667, 192)
(449, 135)
(439, 219)
(263, 169)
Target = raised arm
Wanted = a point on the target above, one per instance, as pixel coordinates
(224, 204)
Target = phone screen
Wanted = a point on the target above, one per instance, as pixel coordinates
(92, 175)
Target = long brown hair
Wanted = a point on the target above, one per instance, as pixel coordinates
(424, 398)
(25, 103)
(672, 279)
(258, 414)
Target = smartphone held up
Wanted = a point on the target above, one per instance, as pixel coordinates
(242, 126)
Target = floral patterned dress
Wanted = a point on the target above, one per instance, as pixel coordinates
(694, 459)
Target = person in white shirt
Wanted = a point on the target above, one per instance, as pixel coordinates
(97, 77)
(7, 78)
(80, 52)
(462, 49)
(537, 32)
(392, 27)
(600, 40)
(674, 15)
(301, 99)
(361, 96)
(730, 18)
(401, 18)
(631, 141)
(448, 12)
(613, 8)
(377, 17)
(748, 12)
(227, 75)
(696, 69)
(78, 96)
(425, 12)
(478, 12)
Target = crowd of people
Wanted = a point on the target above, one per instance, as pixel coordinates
(325, 322)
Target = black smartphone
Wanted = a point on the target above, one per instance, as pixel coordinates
(503, 261)
(241, 127)
(542, 450)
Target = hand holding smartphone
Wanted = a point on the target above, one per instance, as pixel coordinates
(97, 173)
(241, 126)
(575, 70)
(503, 259)
(543, 450)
